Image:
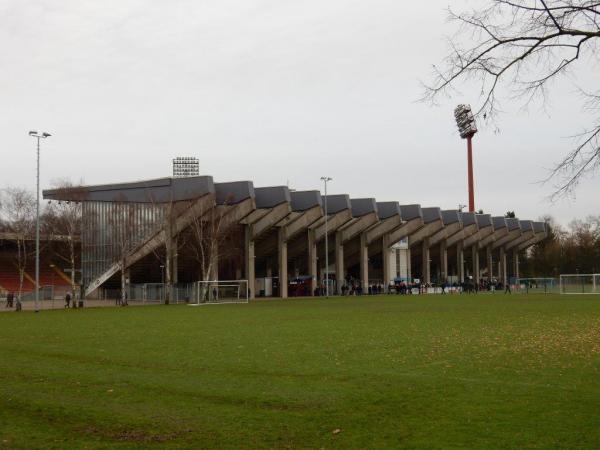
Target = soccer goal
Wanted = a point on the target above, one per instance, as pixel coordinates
(580, 283)
(221, 291)
(537, 285)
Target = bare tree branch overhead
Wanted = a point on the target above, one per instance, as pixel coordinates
(515, 49)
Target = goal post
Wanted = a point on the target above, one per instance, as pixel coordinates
(219, 292)
(580, 283)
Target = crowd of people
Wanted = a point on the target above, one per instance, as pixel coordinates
(401, 287)
(14, 301)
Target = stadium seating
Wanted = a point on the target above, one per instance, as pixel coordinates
(9, 275)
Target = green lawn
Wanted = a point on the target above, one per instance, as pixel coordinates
(487, 371)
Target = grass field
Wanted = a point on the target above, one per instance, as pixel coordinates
(487, 371)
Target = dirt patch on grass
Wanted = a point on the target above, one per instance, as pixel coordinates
(133, 434)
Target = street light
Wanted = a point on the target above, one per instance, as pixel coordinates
(325, 180)
(467, 129)
(38, 136)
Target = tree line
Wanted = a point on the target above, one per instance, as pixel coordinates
(60, 230)
(570, 249)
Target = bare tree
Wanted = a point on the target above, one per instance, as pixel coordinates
(166, 253)
(64, 220)
(208, 232)
(18, 211)
(519, 48)
(123, 230)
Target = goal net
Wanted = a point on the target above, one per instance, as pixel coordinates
(537, 285)
(214, 292)
(580, 283)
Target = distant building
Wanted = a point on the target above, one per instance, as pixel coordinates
(186, 166)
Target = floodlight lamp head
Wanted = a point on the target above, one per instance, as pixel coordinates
(465, 121)
(45, 135)
(33, 133)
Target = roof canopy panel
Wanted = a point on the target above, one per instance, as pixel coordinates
(526, 225)
(512, 224)
(234, 192)
(269, 197)
(499, 222)
(431, 214)
(161, 190)
(468, 218)
(337, 203)
(450, 216)
(303, 200)
(483, 220)
(363, 206)
(410, 212)
(385, 210)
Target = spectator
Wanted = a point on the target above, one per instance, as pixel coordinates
(68, 300)
(10, 297)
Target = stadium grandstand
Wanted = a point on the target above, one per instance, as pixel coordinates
(184, 230)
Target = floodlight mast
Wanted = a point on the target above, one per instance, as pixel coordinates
(325, 180)
(467, 129)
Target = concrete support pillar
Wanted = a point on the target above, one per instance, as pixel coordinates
(312, 260)
(282, 257)
(339, 262)
(460, 262)
(444, 261)
(489, 263)
(516, 264)
(386, 255)
(475, 258)
(425, 261)
(249, 261)
(167, 274)
(409, 265)
(175, 264)
(503, 275)
(364, 262)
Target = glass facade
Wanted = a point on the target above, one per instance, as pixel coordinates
(111, 229)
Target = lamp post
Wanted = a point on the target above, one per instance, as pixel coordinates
(38, 136)
(325, 181)
(467, 129)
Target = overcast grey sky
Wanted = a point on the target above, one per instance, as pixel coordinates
(271, 91)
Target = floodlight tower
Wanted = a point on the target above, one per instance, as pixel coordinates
(467, 129)
(325, 181)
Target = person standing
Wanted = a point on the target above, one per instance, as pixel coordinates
(9, 299)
